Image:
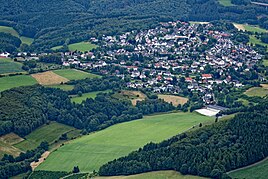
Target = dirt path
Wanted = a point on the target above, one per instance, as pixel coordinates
(249, 166)
(42, 159)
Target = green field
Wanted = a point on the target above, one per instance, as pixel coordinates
(252, 28)
(57, 47)
(226, 2)
(91, 151)
(10, 30)
(257, 91)
(257, 171)
(265, 62)
(72, 74)
(254, 41)
(62, 87)
(82, 46)
(155, 175)
(16, 81)
(48, 133)
(9, 66)
(80, 99)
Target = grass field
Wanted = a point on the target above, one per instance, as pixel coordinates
(256, 171)
(265, 62)
(250, 28)
(9, 66)
(81, 46)
(175, 100)
(48, 133)
(80, 99)
(226, 2)
(16, 81)
(91, 151)
(10, 30)
(72, 74)
(257, 91)
(62, 87)
(49, 78)
(169, 174)
(57, 47)
(133, 96)
(254, 41)
(6, 142)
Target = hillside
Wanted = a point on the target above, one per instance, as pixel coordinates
(57, 23)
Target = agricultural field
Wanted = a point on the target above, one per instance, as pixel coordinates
(82, 46)
(226, 3)
(257, 91)
(255, 171)
(91, 151)
(253, 40)
(49, 133)
(63, 87)
(49, 78)
(9, 82)
(72, 74)
(6, 142)
(169, 174)
(175, 100)
(250, 28)
(80, 99)
(10, 30)
(133, 96)
(8, 66)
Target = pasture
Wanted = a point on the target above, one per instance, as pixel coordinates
(226, 3)
(168, 174)
(49, 78)
(72, 74)
(49, 133)
(10, 30)
(8, 66)
(175, 100)
(253, 40)
(80, 99)
(257, 91)
(133, 96)
(250, 28)
(57, 47)
(9, 82)
(257, 171)
(91, 151)
(82, 46)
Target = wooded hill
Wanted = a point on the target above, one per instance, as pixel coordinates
(211, 151)
(54, 22)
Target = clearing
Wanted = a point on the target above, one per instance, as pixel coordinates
(168, 174)
(49, 78)
(255, 171)
(9, 82)
(253, 40)
(80, 99)
(133, 96)
(250, 28)
(10, 30)
(257, 91)
(226, 3)
(82, 46)
(175, 100)
(6, 142)
(8, 66)
(73, 74)
(92, 151)
(49, 133)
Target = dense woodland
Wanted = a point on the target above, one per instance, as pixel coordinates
(210, 151)
(9, 43)
(54, 23)
(24, 109)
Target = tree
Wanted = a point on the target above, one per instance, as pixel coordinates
(76, 169)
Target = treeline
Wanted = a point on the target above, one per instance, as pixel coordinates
(210, 151)
(9, 43)
(24, 109)
(10, 166)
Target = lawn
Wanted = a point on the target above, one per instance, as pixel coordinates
(62, 87)
(257, 171)
(9, 66)
(80, 99)
(48, 133)
(72, 74)
(16, 81)
(10, 30)
(226, 2)
(169, 174)
(81, 46)
(257, 91)
(91, 151)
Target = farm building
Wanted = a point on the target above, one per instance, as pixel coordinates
(211, 110)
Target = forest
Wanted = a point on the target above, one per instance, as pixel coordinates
(54, 23)
(9, 43)
(210, 151)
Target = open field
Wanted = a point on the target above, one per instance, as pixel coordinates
(253, 40)
(175, 100)
(226, 3)
(26, 40)
(169, 174)
(257, 91)
(250, 28)
(10, 30)
(133, 96)
(16, 81)
(255, 171)
(6, 142)
(265, 62)
(48, 133)
(57, 47)
(80, 99)
(72, 74)
(82, 46)
(91, 151)
(49, 78)
(62, 87)
(9, 66)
